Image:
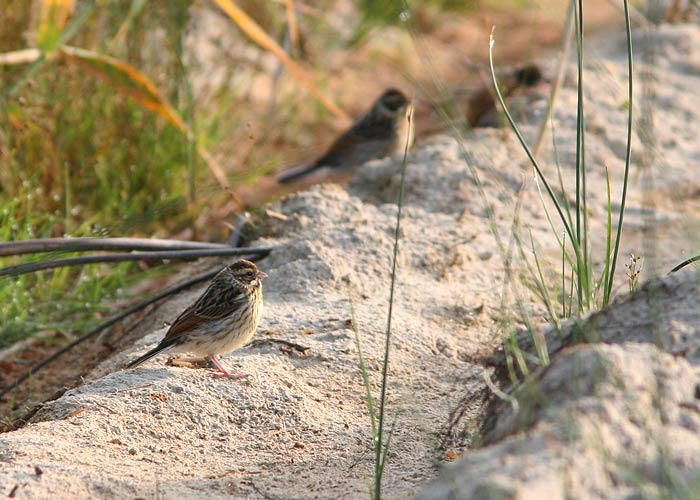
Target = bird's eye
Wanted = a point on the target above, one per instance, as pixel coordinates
(249, 274)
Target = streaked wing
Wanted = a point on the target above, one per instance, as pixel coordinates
(220, 303)
(220, 299)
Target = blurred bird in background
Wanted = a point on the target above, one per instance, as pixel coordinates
(481, 106)
(383, 131)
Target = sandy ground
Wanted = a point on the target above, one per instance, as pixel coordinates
(616, 414)
(299, 428)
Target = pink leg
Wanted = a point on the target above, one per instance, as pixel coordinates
(223, 372)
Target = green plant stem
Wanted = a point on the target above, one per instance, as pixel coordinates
(561, 67)
(365, 374)
(685, 263)
(608, 239)
(378, 444)
(563, 277)
(581, 207)
(540, 175)
(630, 77)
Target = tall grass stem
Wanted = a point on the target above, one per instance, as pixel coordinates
(628, 153)
(378, 445)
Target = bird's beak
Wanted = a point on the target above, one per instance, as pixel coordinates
(261, 275)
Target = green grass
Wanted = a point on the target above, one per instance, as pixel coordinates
(574, 219)
(78, 158)
(66, 300)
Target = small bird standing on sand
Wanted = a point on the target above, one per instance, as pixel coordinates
(482, 103)
(382, 131)
(223, 319)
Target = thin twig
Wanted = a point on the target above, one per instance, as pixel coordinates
(87, 244)
(292, 345)
(31, 267)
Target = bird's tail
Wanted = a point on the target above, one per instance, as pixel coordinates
(153, 352)
(295, 173)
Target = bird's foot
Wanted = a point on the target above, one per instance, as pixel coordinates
(227, 374)
(221, 372)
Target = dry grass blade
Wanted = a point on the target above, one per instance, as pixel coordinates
(256, 33)
(127, 80)
(24, 56)
(131, 82)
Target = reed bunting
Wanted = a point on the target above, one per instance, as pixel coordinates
(223, 319)
(382, 131)
(481, 107)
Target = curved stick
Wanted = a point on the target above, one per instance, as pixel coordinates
(31, 267)
(85, 244)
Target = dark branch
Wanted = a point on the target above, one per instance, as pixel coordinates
(31, 267)
(86, 244)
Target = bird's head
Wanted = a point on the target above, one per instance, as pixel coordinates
(392, 102)
(529, 75)
(247, 273)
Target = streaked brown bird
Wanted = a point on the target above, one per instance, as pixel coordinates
(223, 319)
(481, 106)
(382, 131)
